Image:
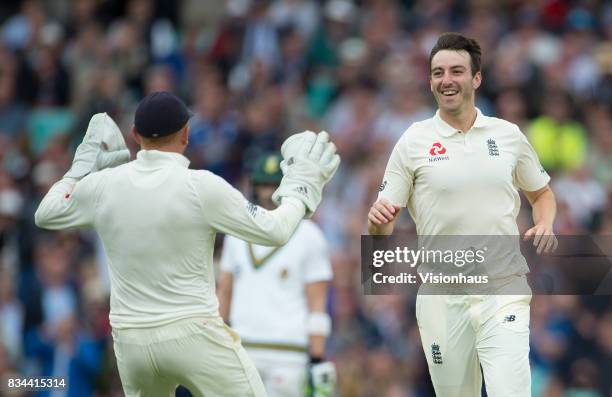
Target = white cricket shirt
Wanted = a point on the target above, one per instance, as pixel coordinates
(157, 220)
(269, 304)
(456, 183)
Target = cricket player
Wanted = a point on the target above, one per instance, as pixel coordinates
(157, 220)
(459, 173)
(275, 299)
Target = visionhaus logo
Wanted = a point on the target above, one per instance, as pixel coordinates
(437, 153)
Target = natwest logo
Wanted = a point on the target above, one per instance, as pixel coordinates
(437, 149)
(437, 152)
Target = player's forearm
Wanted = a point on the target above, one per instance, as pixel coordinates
(224, 294)
(228, 211)
(53, 206)
(224, 308)
(319, 321)
(316, 346)
(544, 208)
(280, 224)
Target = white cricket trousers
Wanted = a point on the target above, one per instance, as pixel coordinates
(461, 333)
(283, 373)
(202, 354)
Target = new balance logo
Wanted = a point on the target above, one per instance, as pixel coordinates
(510, 318)
(436, 354)
(493, 149)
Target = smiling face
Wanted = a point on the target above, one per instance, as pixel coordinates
(452, 82)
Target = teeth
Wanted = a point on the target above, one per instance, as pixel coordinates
(450, 92)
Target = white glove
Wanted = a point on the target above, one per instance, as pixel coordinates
(103, 147)
(322, 380)
(292, 145)
(310, 161)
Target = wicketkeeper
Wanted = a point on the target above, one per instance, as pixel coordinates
(157, 220)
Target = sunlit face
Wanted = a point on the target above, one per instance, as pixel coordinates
(451, 81)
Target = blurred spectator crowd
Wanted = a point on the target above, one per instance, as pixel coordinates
(253, 72)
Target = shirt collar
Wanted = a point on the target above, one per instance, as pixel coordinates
(155, 156)
(447, 130)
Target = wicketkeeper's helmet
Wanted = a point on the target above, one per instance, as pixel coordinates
(267, 170)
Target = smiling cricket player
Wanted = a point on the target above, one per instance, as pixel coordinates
(459, 173)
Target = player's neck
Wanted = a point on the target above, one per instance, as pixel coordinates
(463, 120)
(172, 148)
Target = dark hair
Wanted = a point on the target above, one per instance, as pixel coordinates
(458, 42)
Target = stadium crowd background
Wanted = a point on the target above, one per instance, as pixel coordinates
(254, 71)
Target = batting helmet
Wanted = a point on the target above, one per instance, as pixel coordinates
(267, 170)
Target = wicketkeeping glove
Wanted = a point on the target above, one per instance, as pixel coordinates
(103, 147)
(322, 380)
(310, 161)
(292, 145)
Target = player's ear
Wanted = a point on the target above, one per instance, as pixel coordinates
(476, 80)
(135, 135)
(185, 135)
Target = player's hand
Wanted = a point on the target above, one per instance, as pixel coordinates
(296, 143)
(113, 151)
(322, 379)
(310, 161)
(103, 146)
(383, 212)
(315, 147)
(323, 152)
(543, 238)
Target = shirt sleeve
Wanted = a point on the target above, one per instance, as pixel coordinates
(529, 175)
(317, 266)
(227, 211)
(69, 204)
(398, 180)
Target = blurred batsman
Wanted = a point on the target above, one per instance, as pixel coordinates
(275, 298)
(459, 173)
(157, 220)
